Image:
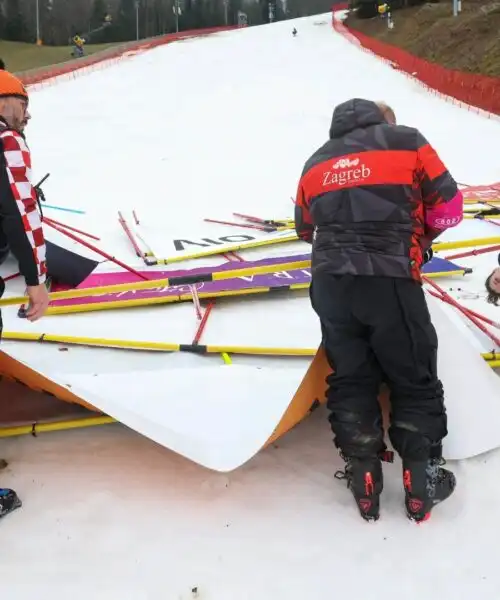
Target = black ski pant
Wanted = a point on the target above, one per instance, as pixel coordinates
(378, 330)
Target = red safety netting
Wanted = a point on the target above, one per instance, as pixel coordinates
(116, 52)
(475, 90)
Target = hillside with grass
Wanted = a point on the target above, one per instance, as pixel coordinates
(469, 42)
(19, 56)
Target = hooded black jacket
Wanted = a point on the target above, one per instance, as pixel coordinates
(362, 196)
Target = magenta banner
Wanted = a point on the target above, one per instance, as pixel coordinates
(279, 279)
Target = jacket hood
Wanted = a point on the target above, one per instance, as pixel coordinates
(354, 114)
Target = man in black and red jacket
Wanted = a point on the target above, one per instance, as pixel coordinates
(371, 200)
(19, 217)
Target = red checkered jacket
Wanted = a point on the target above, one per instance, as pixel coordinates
(20, 220)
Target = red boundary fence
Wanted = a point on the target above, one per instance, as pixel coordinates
(475, 90)
(114, 53)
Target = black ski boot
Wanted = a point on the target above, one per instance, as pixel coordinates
(365, 480)
(426, 484)
(9, 501)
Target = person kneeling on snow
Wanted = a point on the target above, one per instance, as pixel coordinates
(493, 285)
(19, 217)
(371, 200)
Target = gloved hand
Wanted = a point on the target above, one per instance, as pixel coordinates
(428, 254)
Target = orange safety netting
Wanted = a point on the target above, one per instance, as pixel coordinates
(472, 89)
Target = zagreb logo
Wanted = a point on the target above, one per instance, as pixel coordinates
(345, 163)
(346, 171)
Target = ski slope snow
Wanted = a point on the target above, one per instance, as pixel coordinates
(203, 129)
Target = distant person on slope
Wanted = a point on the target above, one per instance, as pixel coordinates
(493, 285)
(19, 217)
(371, 200)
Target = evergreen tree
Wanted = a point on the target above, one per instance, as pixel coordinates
(3, 21)
(98, 15)
(125, 26)
(15, 26)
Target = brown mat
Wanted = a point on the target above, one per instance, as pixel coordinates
(19, 405)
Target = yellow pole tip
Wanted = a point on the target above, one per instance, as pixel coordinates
(226, 358)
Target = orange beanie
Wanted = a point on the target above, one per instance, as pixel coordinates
(10, 85)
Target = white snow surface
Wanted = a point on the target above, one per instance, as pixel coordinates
(203, 129)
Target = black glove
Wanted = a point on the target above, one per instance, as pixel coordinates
(428, 254)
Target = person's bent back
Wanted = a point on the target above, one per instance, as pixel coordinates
(376, 193)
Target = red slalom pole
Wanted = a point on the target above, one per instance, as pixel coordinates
(203, 322)
(48, 220)
(267, 229)
(469, 310)
(450, 300)
(489, 221)
(98, 251)
(13, 276)
(473, 252)
(130, 235)
(268, 222)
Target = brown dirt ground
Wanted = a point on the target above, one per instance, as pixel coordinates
(469, 42)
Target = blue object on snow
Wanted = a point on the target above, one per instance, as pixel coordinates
(440, 265)
(72, 210)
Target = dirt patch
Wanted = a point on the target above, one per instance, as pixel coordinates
(469, 42)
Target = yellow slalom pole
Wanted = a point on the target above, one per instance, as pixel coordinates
(482, 217)
(229, 248)
(137, 302)
(35, 428)
(115, 304)
(483, 202)
(157, 346)
(491, 358)
(213, 276)
(490, 241)
(172, 281)
(226, 358)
